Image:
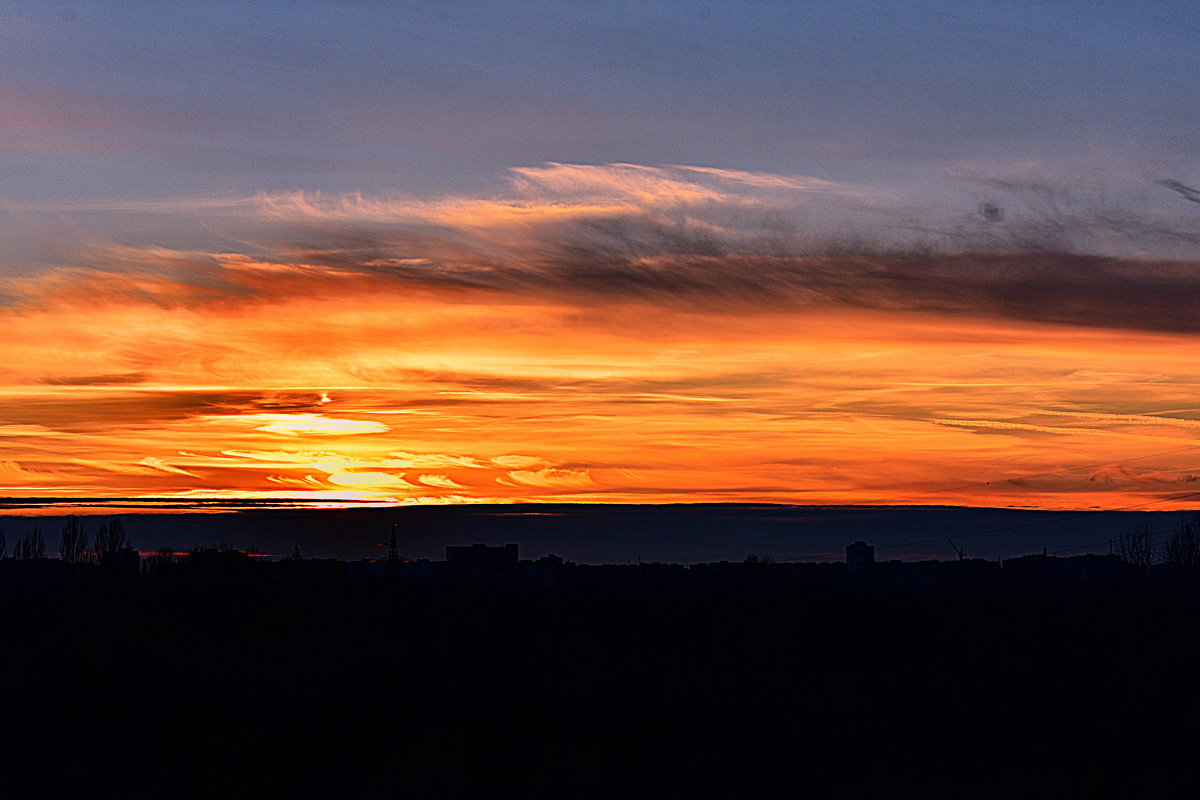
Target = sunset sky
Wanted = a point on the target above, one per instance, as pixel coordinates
(816, 253)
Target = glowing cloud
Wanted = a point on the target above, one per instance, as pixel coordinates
(609, 333)
(370, 480)
(313, 425)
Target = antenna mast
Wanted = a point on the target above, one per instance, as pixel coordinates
(393, 550)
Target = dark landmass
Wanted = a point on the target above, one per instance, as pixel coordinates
(220, 675)
(600, 534)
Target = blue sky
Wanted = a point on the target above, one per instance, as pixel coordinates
(141, 100)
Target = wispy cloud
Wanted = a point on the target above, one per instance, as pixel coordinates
(689, 238)
(604, 333)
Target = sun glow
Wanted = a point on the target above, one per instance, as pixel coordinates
(518, 360)
(313, 424)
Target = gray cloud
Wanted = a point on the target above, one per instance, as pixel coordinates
(706, 240)
(713, 240)
(639, 260)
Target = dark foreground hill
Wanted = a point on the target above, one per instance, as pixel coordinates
(330, 688)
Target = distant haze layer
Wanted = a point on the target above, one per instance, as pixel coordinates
(623, 534)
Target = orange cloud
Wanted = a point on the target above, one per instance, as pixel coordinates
(617, 333)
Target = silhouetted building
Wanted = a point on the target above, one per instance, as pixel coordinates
(858, 556)
(219, 563)
(481, 554)
(122, 563)
(546, 571)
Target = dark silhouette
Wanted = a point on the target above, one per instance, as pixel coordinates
(546, 678)
(73, 546)
(1183, 548)
(393, 554)
(481, 554)
(159, 563)
(31, 546)
(746, 678)
(1136, 545)
(220, 564)
(859, 558)
(110, 539)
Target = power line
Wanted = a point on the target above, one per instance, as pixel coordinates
(1106, 542)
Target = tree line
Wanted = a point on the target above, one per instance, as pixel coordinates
(1181, 548)
(75, 545)
(1136, 545)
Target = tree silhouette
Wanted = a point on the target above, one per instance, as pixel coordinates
(1183, 548)
(1136, 545)
(31, 546)
(3, 544)
(160, 562)
(73, 548)
(109, 540)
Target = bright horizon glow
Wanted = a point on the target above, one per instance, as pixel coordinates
(350, 384)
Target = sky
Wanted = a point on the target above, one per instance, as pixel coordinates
(814, 253)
